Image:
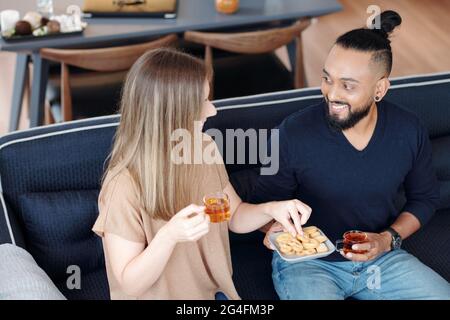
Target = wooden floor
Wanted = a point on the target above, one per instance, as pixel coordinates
(420, 45)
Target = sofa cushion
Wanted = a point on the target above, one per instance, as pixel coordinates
(58, 235)
(22, 279)
(428, 100)
(94, 286)
(431, 244)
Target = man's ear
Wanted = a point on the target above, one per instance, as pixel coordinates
(382, 88)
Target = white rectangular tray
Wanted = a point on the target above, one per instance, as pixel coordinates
(296, 258)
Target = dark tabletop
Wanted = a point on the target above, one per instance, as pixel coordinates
(192, 15)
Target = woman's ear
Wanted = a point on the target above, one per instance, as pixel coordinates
(382, 88)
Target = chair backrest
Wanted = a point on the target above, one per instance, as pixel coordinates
(249, 42)
(105, 59)
(101, 60)
(254, 42)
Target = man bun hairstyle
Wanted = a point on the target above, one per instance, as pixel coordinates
(388, 21)
(374, 40)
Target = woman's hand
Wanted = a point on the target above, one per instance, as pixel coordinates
(190, 224)
(288, 212)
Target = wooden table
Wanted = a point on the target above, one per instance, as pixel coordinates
(192, 15)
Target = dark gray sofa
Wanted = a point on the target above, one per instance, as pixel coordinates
(49, 182)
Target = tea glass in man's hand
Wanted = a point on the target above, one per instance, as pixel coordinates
(351, 238)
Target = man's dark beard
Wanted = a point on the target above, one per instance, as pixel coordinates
(352, 119)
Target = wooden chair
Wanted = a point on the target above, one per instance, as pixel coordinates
(255, 42)
(100, 60)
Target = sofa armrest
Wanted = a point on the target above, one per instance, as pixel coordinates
(22, 279)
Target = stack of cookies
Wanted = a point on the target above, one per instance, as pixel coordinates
(311, 242)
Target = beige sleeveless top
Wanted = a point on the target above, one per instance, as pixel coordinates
(195, 270)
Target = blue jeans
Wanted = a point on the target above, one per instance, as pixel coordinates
(396, 275)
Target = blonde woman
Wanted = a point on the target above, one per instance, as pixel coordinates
(157, 239)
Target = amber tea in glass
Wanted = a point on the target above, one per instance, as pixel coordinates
(349, 239)
(217, 207)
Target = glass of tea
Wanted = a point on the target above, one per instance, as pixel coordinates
(217, 206)
(349, 239)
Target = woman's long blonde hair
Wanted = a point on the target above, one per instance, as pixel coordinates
(163, 91)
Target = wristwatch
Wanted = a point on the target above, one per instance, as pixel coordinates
(396, 241)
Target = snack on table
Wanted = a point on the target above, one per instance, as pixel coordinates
(33, 18)
(23, 28)
(44, 21)
(311, 242)
(53, 26)
(35, 24)
(8, 20)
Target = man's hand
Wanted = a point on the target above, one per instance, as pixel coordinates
(378, 243)
(276, 227)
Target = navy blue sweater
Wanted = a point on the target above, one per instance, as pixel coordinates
(350, 189)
